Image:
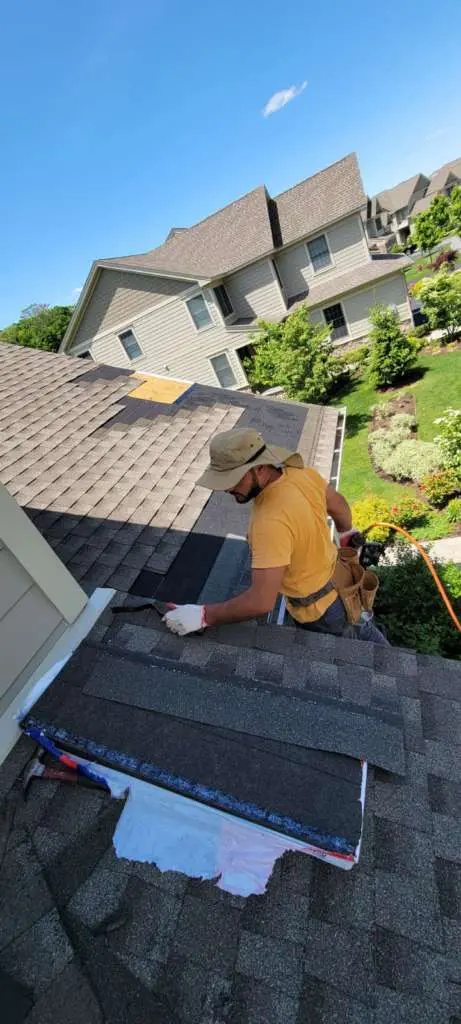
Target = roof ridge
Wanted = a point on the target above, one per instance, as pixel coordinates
(215, 212)
(317, 174)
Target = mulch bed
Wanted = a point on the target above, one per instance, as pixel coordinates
(401, 403)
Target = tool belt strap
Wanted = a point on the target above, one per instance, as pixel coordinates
(356, 586)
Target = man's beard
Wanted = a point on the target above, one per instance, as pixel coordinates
(243, 499)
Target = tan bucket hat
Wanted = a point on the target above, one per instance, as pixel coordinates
(234, 452)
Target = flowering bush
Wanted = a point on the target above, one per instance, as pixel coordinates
(439, 487)
(449, 438)
(408, 512)
(372, 509)
(448, 256)
(412, 460)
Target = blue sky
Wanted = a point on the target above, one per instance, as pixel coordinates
(119, 120)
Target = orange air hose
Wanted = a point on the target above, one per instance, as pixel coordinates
(423, 553)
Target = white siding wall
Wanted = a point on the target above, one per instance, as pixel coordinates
(38, 598)
(356, 306)
(118, 296)
(347, 247)
(254, 292)
(172, 346)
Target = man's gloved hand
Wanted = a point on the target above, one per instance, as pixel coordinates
(186, 618)
(351, 538)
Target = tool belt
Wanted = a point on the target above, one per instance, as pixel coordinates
(356, 586)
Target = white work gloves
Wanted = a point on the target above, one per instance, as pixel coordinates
(346, 538)
(186, 618)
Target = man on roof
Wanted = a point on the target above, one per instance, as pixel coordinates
(291, 547)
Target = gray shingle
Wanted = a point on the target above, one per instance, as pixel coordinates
(277, 963)
(342, 957)
(407, 967)
(409, 907)
(215, 930)
(39, 955)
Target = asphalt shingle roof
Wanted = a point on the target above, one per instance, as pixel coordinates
(254, 225)
(114, 940)
(399, 196)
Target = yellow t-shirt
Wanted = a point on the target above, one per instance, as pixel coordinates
(289, 527)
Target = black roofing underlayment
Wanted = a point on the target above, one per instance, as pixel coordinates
(288, 759)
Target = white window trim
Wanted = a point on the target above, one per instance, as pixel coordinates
(206, 327)
(331, 265)
(125, 353)
(215, 355)
(345, 337)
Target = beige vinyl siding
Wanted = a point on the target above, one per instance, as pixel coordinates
(38, 598)
(347, 249)
(118, 296)
(357, 306)
(254, 292)
(173, 347)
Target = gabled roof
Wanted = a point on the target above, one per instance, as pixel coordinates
(440, 177)
(399, 196)
(319, 200)
(254, 225)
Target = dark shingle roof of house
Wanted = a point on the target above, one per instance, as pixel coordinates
(254, 225)
(396, 198)
(117, 940)
(440, 176)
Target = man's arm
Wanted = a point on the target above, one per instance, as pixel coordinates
(258, 600)
(338, 509)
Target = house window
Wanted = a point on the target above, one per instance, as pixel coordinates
(198, 310)
(130, 344)
(223, 300)
(336, 320)
(223, 371)
(319, 252)
(400, 216)
(378, 223)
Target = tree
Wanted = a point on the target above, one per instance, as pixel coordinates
(455, 208)
(295, 355)
(393, 353)
(441, 300)
(39, 326)
(424, 231)
(441, 214)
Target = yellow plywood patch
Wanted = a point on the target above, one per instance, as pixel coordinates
(159, 389)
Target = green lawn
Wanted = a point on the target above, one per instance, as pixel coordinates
(413, 274)
(437, 389)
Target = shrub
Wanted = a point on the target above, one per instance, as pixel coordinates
(418, 286)
(408, 512)
(441, 299)
(360, 355)
(402, 421)
(412, 460)
(420, 331)
(448, 256)
(439, 487)
(453, 510)
(295, 355)
(449, 438)
(410, 606)
(393, 353)
(371, 510)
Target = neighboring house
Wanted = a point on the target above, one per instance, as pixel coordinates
(441, 182)
(388, 212)
(188, 308)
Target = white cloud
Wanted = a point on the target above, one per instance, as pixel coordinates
(280, 99)
(438, 132)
